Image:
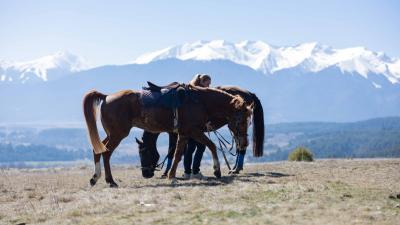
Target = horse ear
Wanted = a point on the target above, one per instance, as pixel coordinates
(138, 141)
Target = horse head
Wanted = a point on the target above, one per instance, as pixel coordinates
(148, 158)
(239, 122)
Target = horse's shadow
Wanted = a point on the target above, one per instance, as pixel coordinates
(266, 174)
(212, 181)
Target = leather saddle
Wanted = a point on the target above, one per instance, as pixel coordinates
(154, 87)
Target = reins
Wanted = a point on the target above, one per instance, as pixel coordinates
(222, 142)
(158, 167)
(161, 163)
(223, 147)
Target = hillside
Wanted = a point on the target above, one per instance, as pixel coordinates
(370, 138)
(321, 192)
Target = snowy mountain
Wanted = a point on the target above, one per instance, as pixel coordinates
(260, 56)
(308, 57)
(307, 82)
(45, 68)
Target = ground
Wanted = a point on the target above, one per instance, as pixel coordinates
(321, 192)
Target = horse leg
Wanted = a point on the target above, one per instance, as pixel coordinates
(180, 146)
(239, 162)
(97, 167)
(171, 151)
(203, 139)
(111, 145)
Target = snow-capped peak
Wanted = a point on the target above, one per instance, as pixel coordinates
(45, 68)
(309, 57)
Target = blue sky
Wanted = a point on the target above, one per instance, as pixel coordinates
(108, 32)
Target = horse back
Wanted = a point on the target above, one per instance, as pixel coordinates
(119, 108)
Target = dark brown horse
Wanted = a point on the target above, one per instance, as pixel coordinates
(123, 110)
(149, 147)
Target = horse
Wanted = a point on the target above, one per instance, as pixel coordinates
(121, 111)
(149, 139)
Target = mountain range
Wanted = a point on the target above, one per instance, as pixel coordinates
(46, 68)
(306, 82)
(307, 57)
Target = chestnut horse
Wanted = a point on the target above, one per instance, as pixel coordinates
(123, 110)
(149, 140)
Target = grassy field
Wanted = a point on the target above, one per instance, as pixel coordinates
(321, 192)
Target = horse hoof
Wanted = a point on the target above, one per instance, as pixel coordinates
(233, 172)
(113, 185)
(217, 173)
(174, 181)
(92, 182)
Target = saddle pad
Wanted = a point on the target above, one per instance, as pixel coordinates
(166, 98)
(149, 98)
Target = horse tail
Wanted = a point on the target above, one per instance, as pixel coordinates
(258, 127)
(90, 103)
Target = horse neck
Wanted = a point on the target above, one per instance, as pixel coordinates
(233, 90)
(217, 102)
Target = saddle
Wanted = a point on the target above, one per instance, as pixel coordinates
(154, 87)
(171, 96)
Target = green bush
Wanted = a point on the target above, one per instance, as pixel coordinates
(301, 154)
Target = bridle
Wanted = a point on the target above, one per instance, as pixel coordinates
(152, 168)
(238, 117)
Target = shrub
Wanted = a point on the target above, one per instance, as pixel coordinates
(301, 154)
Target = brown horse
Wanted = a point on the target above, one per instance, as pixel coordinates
(148, 145)
(123, 110)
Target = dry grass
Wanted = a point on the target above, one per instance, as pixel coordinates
(321, 192)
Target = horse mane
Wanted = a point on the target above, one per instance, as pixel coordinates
(236, 100)
(235, 90)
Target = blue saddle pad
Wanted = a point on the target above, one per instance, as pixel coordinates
(149, 98)
(167, 98)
